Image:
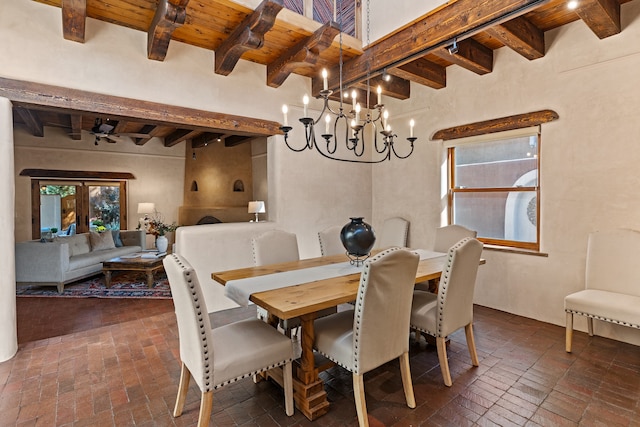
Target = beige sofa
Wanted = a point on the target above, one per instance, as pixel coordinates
(70, 258)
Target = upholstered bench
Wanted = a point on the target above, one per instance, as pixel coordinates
(612, 282)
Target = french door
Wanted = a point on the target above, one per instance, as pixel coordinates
(63, 207)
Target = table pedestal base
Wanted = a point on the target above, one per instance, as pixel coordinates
(311, 399)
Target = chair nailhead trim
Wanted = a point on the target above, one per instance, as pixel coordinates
(606, 319)
(266, 368)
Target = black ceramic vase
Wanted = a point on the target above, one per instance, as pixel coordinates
(357, 237)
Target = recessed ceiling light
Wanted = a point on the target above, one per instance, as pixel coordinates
(572, 4)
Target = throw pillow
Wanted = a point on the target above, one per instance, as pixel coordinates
(78, 243)
(116, 238)
(100, 241)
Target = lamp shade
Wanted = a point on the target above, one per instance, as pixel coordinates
(256, 207)
(146, 208)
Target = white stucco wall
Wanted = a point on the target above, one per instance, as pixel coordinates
(589, 160)
(8, 330)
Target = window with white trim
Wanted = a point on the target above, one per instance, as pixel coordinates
(494, 186)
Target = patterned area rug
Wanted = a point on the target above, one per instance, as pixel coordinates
(123, 285)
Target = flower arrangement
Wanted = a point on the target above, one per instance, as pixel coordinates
(98, 224)
(158, 228)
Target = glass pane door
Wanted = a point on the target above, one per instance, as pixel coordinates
(104, 206)
(69, 207)
(58, 209)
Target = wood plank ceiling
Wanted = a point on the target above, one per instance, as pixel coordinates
(462, 32)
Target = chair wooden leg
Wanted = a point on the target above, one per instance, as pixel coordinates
(287, 372)
(183, 388)
(471, 343)
(442, 358)
(569, 333)
(206, 405)
(407, 384)
(590, 325)
(361, 404)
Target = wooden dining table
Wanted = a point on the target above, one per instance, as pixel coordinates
(305, 300)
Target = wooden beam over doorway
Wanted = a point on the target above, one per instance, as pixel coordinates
(119, 108)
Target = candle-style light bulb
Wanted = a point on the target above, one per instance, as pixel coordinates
(353, 98)
(305, 103)
(379, 90)
(358, 108)
(412, 123)
(353, 128)
(327, 121)
(388, 128)
(385, 116)
(325, 83)
(285, 110)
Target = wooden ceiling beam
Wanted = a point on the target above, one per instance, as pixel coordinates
(180, 135)
(461, 19)
(31, 119)
(601, 16)
(304, 54)
(396, 87)
(248, 35)
(233, 140)
(150, 130)
(520, 35)
(205, 139)
(121, 126)
(423, 72)
(76, 126)
(74, 17)
(471, 55)
(119, 108)
(170, 14)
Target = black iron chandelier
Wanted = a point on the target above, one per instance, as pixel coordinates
(356, 125)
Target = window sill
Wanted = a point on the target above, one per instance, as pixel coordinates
(514, 250)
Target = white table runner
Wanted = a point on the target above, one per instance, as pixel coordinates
(240, 290)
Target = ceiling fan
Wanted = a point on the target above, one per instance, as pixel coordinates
(106, 129)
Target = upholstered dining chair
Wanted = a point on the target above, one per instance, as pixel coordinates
(611, 292)
(441, 314)
(330, 243)
(274, 247)
(446, 237)
(217, 357)
(395, 231)
(449, 235)
(375, 331)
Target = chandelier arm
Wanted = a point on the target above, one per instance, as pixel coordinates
(385, 145)
(310, 135)
(356, 144)
(338, 113)
(286, 141)
(350, 160)
(379, 107)
(410, 152)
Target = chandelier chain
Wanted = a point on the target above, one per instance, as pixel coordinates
(368, 63)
